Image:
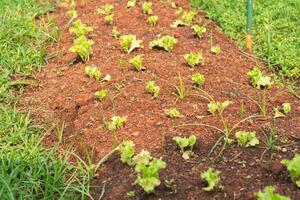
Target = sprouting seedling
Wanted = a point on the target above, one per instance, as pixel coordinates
(198, 80)
(198, 30)
(286, 108)
(166, 42)
(79, 28)
(246, 139)
(180, 90)
(194, 58)
(186, 145)
(268, 194)
(147, 8)
(109, 19)
(129, 43)
(152, 20)
(82, 47)
(93, 72)
(293, 167)
(212, 177)
(214, 106)
(101, 94)
(185, 20)
(116, 122)
(282, 111)
(72, 14)
(131, 3)
(136, 61)
(215, 49)
(258, 79)
(152, 88)
(106, 9)
(127, 150)
(172, 113)
(115, 33)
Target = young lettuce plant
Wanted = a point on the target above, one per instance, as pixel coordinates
(172, 113)
(101, 94)
(152, 88)
(79, 28)
(198, 30)
(106, 9)
(166, 42)
(147, 8)
(115, 33)
(152, 20)
(131, 3)
(186, 145)
(116, 122)
(109, 19)
(212, 177)
(198, 80)
(194, 58)
(282, 111)
(258, 79)
(82, 47)
(129, 43)
(246, 139)
(268, 194)
(93, 72)
(185, 20)
(215, 49)
(293, 167)
(127, 150)
(136, 61)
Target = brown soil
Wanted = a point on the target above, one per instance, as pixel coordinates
(65, 94)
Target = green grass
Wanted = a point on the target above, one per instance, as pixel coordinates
(27, 169)
(276, 29)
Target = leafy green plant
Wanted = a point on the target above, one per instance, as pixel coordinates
(218, 106)
(186, 145)
(172, 113)
(131, 3)
(258, 79)
(166, 42)
(215, 49)
(79, 28)
(152, 20)
(185, 20)
(129, 43)
(101, 94)
(282, 111)
(194, 58)
(199, 30)
(148, 169)
(109, 19)
(268, 194)
(115, 33)
(136, 61)
(82, 47)
(246, 139)
(212, 177)
(147, 8)
(72, 14)
(293, 167)
(152, 88)
(127, 150)
(116, 122)
(93, 72)
(106, 9)
(198, 80)
(286, 108)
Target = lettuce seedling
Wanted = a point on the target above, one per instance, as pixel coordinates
(143, 157)
(166, 42)
(79, 28)
(194, 58)
(116, 122)
(218, 106)
(93, 72)
(109, 19)
(258, 79)
(185, 20)
(152, 20)
(127, 152)
(152, 88)
(129, 43)
(82, 47)
(286, 108)
(115, 33)
(186, 145)
(215, 49)
(106, 9)
(172, 113)
(199, 30)
(246, 139)
(293, 167)
(101, 94)
(282, 111)
(268, 194)
(136, 61)
(198, 80)
(72, 14)
(212, 177)
(131, 3)
(147, 8)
